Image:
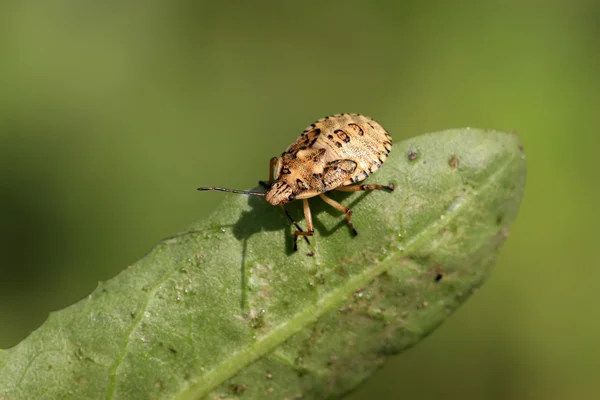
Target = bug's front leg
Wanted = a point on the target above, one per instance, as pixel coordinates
(309, 226)
(267, 185)
(297, 227)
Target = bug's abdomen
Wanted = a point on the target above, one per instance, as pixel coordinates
(348, 137)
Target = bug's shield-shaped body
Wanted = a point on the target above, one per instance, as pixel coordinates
(335, 151)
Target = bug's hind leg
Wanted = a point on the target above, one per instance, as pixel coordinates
(343, 209)
(358, 188)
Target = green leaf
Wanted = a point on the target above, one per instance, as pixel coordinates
(226, 309)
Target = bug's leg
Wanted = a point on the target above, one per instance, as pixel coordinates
(309, 225)
(267, 185)
(358, 188)
(297, 227)
(343, 209)
(272, 163)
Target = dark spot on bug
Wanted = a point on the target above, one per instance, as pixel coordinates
(370, 171)
(317, 131)
(312, 142)
(358, 128)
(317, 176)
(372, 127)
(453, 162)
(330, 137)
(338, 144)
(412, 155)
(301, 184)
(363, 187)
(365, 174)
(342, 135)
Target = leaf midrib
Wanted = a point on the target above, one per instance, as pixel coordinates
(278, 335)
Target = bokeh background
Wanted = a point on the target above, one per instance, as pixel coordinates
(112, 113)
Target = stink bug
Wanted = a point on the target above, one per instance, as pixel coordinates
(331, 154)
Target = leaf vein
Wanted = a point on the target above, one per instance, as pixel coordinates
(115, 366)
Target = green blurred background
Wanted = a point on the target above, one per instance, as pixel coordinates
(112, 113)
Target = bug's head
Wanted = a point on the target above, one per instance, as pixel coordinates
(280, 193)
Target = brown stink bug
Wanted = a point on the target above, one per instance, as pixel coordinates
(331, 154)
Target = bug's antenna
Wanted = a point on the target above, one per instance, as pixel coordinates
(233, 191)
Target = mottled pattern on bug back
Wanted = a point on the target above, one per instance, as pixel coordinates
(347, 137)
(335, 151)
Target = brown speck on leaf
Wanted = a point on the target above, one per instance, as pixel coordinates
(439, 273)
(238, 388)
(269, 375)
(412, 155)
(425, 304)
(453, 162)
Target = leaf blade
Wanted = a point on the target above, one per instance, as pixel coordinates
(211, 285)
